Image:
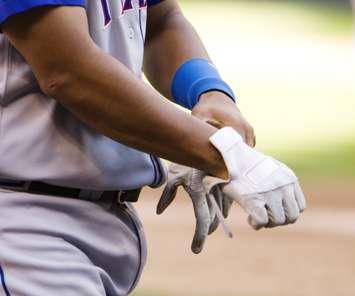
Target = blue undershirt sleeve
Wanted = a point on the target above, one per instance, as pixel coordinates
(10, 8)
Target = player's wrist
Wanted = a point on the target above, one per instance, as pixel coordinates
(213, 95)
(218, 169)
(210, 103)
(216, 164)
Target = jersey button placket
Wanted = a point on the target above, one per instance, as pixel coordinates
(130, 32)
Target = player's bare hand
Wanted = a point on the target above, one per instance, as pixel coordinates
(219, 110)
(265, 188)
(208, 208)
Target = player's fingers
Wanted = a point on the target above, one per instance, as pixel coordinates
(275, 208)
(215, 123)
(254, 141)
(301, 200)
(203, 221)
(290, 205)
(167, 196)
(250, 136)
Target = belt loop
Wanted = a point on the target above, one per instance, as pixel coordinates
(26, 186)
(129, 196)
(120, 197)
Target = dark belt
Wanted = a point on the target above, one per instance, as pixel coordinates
(36, 187)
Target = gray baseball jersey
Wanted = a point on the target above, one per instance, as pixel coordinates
(40, 140)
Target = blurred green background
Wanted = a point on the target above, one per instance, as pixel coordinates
(292, 65)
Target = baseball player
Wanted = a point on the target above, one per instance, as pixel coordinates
(81, 133)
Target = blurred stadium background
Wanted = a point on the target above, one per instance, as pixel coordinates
(292, 64)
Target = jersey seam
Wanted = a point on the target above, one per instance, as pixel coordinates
(155, 181)
(140, 26)
(3, 282)
(6, 78)
(2, 273)
(137, 226)
(6, 67)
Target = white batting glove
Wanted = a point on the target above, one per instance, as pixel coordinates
(208, 207)
(264, 187)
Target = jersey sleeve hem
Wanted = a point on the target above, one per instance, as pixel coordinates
(12, 7)
(153, 2)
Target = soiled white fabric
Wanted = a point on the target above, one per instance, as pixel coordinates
(208, 207)
(264, 187)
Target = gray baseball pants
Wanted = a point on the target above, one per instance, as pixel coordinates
(68, 247)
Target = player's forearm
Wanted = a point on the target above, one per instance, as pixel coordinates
(103, 93)
(108, 97)
(172, 48)
(171, 41)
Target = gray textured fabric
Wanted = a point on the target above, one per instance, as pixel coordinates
(68, 247)
(208, 208)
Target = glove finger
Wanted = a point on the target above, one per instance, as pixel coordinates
(217, 193)
(226, 202)
(275, 208)
(301, 200)
(258, 215)
(219, 216)
(214, 225)
(253, 205)
(213, 211)
(290, 205)
(167, 196)
(227, 205)
(260, 221)
(203, 221)
(211, 208)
